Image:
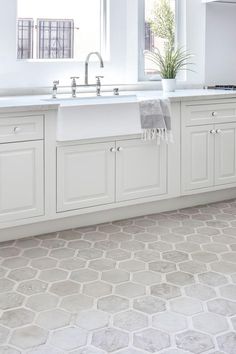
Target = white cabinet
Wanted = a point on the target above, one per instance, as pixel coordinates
(21, 180)
(85, 175)
(141, 169)
(97, 174)
(208, 150)
(225, 153)
(198, 157)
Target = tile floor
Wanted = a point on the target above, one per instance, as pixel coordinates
(163, 283)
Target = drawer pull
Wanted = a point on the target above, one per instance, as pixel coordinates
(214, 114)
(213, 131)
(112, 149)
(218, 131)
(119, 149)
(17, 130)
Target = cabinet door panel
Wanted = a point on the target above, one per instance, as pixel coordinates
(141, 169)
(197, 158)
(21, 180)
(225, 154)
(85, 176)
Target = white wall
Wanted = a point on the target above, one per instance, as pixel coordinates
(221, 44)
(122, 66)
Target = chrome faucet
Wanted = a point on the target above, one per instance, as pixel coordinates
(98, 85)
(54, 89)
(74, 86)
(87, 64)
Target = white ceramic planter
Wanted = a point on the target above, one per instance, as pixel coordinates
(169, 85)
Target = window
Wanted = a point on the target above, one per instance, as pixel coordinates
(25, 38)
(55, 39)
(158, 23)
(65, 29)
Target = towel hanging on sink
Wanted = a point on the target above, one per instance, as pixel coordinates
(155, 117)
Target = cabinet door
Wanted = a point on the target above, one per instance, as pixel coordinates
(198, 157)
(21, 180)
(225, 154)
(141, 169)
(85, 176)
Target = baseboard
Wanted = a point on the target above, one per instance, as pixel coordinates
(115, 214)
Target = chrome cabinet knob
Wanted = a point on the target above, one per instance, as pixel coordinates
(112, 149)
(119, 149)
(218, 131)
(214, 114)
(17, 130)
(213, 131)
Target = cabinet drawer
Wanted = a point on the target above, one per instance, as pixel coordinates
(14, 129)
(198, 114)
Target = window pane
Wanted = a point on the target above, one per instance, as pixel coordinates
(159, 28)
(25, 28)
(56, 36)
(55, 39)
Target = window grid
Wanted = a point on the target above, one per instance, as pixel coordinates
(25, 28)
(55, 39)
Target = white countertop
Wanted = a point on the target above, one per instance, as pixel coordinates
(45, 103)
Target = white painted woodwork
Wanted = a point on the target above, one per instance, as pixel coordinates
(13, 129)
(225, 153)
(85, 176)
(201, 113)
(198, 157)
(21, 180)
(141, 169)
(98, 121)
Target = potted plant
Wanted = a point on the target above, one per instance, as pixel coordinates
(171, 59)
(169, 64)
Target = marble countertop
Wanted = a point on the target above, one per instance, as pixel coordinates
(46, 103)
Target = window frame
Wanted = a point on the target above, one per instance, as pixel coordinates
(31, 29)
(104, 38)
(38, 36)
(141, 40)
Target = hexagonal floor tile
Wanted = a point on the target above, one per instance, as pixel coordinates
(130, 321)
(16, 318)
(42, 302)
(147, 277)
(92, 319)
(113, 304)
(116, 276)
(151, 340)
(180, 278)
(200, 291)
(149, 305)
(169, 322)
(69, 338)
(165, 291)
(162, 267)
(210, 323)
(130, 290)
(28, 337)
(76, 303)
(186, 306)
(222, 307)
(110, 339)
(97, 289)
(227, 342)
(53, 319)
(64, 288)
(194, 342)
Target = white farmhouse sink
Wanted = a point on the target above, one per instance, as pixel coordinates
(97, 117)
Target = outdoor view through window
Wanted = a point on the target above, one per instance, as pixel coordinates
(159, 28)
(52, 29)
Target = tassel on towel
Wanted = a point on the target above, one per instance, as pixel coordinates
(156, 120)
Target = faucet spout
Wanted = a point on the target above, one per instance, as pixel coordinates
(87, 64)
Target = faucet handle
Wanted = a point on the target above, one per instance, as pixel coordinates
(56, 82)
(74, 78)
(99, 77)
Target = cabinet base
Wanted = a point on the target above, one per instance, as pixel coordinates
(66, 223)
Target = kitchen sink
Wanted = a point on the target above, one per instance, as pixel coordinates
(92, 117)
